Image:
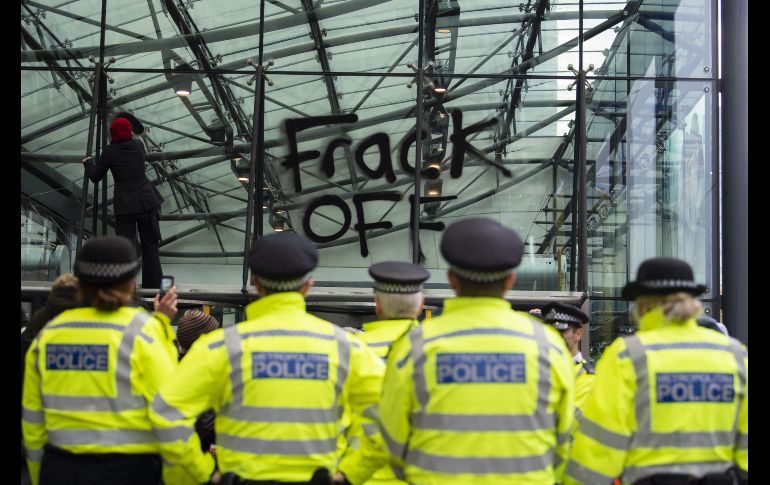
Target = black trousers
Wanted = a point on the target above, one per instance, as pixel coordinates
(147, 223)
(730, 477)
(63, 468)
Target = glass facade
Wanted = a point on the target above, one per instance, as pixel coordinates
(332, 130)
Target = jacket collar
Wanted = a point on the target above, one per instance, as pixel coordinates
(368, 327)
(285, 302)
(465, 303)
(655, 319)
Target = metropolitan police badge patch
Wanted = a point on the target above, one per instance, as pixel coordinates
(472, 368)
(289, 365)
(76, 357)
(679, 387)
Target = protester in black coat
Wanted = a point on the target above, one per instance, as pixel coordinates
(136, 201)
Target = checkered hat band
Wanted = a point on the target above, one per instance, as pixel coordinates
(480, 276)
(396, 287)
(559, 317)
(283, 285)
(106, 270)
(668, 284)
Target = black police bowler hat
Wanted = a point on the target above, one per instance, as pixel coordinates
(662, 276)
(282, 257)
(398, 277)
(481, 249)
(106, 261)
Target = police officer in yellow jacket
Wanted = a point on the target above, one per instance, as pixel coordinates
(398, 301)
(91, 374)
(569, 321)
(278, 382)
(481, 394)
(670, 403)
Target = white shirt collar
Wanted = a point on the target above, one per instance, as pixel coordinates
(578, 358)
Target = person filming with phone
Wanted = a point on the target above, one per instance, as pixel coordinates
(136, 201)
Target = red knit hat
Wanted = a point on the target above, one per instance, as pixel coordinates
(120, 129)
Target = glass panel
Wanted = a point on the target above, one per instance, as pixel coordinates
(650, 180)
(61, 30)
(355, 35)
(670, 38)
(47, 243)
(526, 182)
(493, 37)
(609, 319)
(190, 34)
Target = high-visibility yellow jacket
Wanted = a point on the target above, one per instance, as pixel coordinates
(482, 394)
(584, 381)
(90, 376)
(279, 383)
(673, 398)
(379, 336)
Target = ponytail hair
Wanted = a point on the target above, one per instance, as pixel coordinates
(106, 299)
(681, 306)
(677, 307)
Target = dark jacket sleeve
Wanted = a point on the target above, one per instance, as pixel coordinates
(96, 171)
(204, 426)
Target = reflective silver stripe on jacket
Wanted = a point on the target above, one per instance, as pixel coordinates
(644, 437)
(604, 436)
(124, 400)
(343, 366)
(418, 363)
(165, 410)
(395, 448)
(585, 475)
(475, 422)
(32, 416)
(35, 454)
(543, 374)
(237, 410)
(634, 473)
(103, 437)
(379, 344)
(479, 465)
(743, 442)
(178, 433)
(101, 325)
(276, 447)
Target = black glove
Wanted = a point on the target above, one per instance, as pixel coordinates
(321, 476)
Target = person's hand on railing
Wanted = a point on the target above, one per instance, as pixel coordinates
(85, 160)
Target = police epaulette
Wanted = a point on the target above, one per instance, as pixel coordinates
(589, 368)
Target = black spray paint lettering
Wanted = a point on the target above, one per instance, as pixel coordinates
(460, 147)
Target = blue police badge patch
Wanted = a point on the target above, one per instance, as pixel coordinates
(471, 368)
(76, 357)
(678, 387)
(289, 365)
